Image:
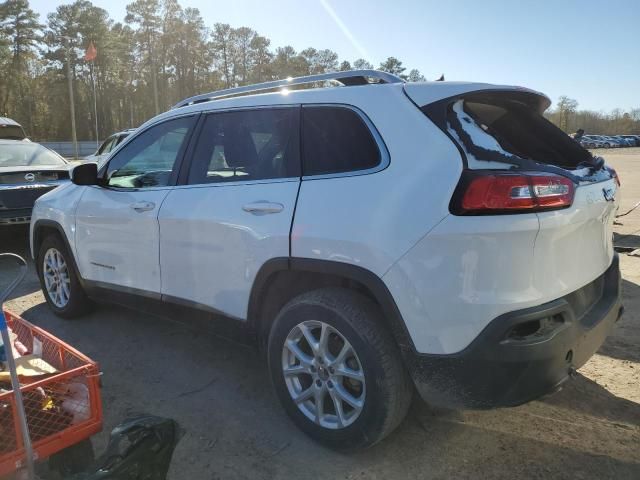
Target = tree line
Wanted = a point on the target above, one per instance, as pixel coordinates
(161, 53)
(617, 122)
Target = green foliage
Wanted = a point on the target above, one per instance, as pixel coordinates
(393, 65)
(159, 55)
(617, 122)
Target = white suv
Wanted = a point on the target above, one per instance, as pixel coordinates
(375, 236)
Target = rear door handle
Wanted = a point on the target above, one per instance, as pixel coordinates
(143, 206)
(263, 208)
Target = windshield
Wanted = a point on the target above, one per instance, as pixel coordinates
(27, 155)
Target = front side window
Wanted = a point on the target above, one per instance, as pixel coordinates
(336, 140)
(150, 159)
(247, 145)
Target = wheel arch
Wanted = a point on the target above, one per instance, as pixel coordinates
(281, 279)
(41, 230)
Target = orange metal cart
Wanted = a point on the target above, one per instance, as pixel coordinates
(62, 408)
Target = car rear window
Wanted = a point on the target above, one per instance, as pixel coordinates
(12, 132)
(500, 130)
(336, 140)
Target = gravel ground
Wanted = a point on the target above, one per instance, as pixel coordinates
(234, 428)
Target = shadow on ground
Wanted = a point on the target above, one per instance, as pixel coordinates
(629, 241)
(623, 341)
(220, 393)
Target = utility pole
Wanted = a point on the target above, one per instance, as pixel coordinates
(74, 138)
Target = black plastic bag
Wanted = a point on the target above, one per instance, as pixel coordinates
(140, 448)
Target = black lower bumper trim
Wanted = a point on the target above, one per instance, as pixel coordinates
(523, 355)
(15, 216)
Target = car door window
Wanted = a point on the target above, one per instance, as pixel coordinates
(119, 140)
(150, 159)
(106, 146)
(247, 145)
(336, 140)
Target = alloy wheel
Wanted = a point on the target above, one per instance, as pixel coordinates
(323, 374)
(56, 278)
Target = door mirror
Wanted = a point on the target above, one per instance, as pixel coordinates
(85, 174)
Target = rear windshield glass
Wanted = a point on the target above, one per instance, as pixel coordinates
(499, 132)
(11, 132)
(27, 154)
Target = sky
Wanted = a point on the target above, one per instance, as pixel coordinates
(586, 49)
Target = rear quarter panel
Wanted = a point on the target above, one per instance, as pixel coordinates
(372, 220)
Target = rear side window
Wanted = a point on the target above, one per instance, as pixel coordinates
(336, 140)
(247, 145)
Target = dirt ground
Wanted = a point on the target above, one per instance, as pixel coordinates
(220, 394)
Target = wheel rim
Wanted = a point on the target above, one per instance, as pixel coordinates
(323, 374)
(56, 278)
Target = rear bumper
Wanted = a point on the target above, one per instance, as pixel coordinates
(523, 355)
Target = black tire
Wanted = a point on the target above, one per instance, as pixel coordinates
(388, 386)
(78, 303)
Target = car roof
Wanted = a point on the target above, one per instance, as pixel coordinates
(128, 131)
(420, 92)
(9, 121)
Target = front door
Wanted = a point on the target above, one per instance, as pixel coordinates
(117, 240)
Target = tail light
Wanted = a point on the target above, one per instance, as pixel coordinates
(496, 193)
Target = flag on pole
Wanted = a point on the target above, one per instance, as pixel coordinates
(91, 53)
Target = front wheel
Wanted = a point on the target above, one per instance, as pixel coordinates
(337, 370)
(58, 279)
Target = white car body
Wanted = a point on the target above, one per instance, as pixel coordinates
(449, 275)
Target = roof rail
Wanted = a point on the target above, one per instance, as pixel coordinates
(348, 78)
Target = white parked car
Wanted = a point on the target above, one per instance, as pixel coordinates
(110, 144)
(374, 236)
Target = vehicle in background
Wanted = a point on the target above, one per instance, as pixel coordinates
(303, 217)
(607, 142)
(11, 130)
(617, 142)
(108, 146)
(631, 140)
(591, 141)
(27, 171)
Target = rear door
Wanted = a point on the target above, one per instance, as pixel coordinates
(117, 234)
(234, 210)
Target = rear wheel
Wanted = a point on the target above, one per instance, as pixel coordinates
(337, 370)
(58, 279)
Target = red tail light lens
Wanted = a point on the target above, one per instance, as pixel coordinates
(510, 193)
